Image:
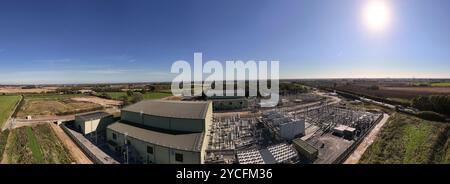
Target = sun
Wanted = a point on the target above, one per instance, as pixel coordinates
(377, 15)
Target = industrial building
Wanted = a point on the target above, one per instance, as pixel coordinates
(345, 131)
(284, 125)
(289, 130)
(228, 102)
(162, 132)
(305, 150)
(225, 101)
(93, 122)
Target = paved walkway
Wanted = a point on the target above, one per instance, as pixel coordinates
(14, 123)
(368, 140)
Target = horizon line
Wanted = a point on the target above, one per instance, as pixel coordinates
(281, 79)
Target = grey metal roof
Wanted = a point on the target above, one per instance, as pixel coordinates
(187, 141)
(173, 109)
(92, 116)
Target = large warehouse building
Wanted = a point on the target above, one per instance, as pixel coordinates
(162, 132)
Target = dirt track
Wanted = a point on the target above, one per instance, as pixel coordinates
(74, 150)
(97, 100)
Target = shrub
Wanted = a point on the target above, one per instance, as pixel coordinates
(431, 116)
(137, 97)
(374, 87)
(105, 95)
(436, 103)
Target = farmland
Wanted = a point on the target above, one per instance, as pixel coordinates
(406, 139)
(16, 90)
(147, 96)
(54, 104)
(441, 84)
(39, 144)
(399, 93)
(394, 91)
(7, 104)
(432, 84)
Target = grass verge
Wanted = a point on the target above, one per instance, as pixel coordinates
(409, 140)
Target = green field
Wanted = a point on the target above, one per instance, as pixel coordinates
(36, 145)
(3, 140)
(147, 96)
(158, 95)
(441, 84)
(432, 84)
(7, 104)
(409, 140)
(116, 95)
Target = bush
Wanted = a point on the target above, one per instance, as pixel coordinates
(292, 88)
(137, 97)
(105, 95)
(124, 100)
(374, 87)
(130, 93)
(431, 116)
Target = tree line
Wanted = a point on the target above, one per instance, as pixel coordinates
(435, 103)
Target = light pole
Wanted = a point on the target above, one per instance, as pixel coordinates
(126, 147)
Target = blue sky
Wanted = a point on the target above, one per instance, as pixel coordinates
(84, 41)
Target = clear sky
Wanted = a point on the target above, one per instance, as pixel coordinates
(83, 41)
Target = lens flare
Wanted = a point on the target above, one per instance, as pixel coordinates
(377, 15)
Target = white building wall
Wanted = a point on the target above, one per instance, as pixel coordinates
(94, 125)
(207, 125)
(91, 126)
(291, 129)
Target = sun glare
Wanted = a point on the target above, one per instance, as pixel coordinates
(377, 15)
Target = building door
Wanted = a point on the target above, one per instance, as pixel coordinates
(149, 161)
